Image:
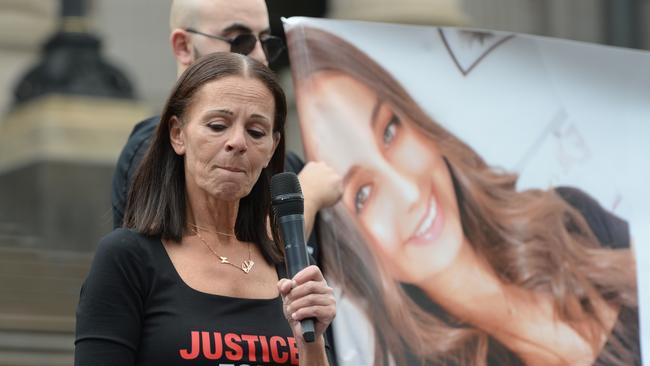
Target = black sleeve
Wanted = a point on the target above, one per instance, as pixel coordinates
(111, 303)
(127, 163)
(612, 231)
(292, 162)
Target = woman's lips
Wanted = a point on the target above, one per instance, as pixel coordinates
(232, 169)
(430, 226)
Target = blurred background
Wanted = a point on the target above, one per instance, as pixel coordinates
(77, 75)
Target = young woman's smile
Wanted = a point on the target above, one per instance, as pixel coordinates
(396, 182)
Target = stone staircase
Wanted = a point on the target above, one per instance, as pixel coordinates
(39, 290)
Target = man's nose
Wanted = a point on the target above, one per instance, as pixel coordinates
(258, 53)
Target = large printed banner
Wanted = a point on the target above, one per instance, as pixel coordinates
(496, 207)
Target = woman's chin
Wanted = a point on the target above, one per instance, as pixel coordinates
(424, 263)
(229, 193)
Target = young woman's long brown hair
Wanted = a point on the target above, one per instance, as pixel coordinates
(532, 239)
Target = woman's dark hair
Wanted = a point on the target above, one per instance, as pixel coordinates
(532, 239)
(156, 203)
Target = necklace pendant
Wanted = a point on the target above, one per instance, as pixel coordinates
(224, 259)
(247, 265)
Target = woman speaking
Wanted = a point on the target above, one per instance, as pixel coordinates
(194, 277)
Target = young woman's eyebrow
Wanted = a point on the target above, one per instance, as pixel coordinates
(350, 174)
(374, 113)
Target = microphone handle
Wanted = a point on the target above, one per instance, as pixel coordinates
(296, 258)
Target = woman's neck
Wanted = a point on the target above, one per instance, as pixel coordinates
(469, 289)
(520, 319)
(211, 214)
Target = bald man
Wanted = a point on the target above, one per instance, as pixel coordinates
(199, 27)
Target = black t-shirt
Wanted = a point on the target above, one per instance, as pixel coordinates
(135, 309)
(128, 162)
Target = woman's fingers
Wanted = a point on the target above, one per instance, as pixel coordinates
(308, 288)
(308, 296)
(323, 314)
(309, 301)
(285, 286)
(310, 273)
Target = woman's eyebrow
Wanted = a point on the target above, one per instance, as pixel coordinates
(219, 112)
(255, 115)
(350, 174)
(260, 118)
(374, 113)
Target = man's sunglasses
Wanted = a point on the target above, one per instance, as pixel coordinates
(244, 43)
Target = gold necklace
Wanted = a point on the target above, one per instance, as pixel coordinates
(246, 265)
(197, 227)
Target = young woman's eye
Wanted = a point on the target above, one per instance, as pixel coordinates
(361, 197)
(256, 134)
(391, 129)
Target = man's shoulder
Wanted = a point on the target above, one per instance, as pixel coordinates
(293, 162)
(145, 128)
(137, 142)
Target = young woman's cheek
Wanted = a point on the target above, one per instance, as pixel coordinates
(379, 224)
(410, 155)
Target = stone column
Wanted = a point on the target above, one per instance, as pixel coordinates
(24, 25)
(57, 155)
(71, 112)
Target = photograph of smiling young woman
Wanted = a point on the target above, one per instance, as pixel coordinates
(451, 264)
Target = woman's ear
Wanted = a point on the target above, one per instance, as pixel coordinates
(177, 135)
(276, 142)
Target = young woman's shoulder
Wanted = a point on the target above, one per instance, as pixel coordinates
(611, 230)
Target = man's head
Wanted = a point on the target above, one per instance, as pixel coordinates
(221, 18)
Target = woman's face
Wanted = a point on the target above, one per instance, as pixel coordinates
(226, 137)
(396, 182)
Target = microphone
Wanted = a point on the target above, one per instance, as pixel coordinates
(288, 206)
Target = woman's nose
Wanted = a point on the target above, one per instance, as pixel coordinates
(236, 141)
(395, 210)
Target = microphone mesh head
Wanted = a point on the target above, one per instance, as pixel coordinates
(286, 195)
(284, 183)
